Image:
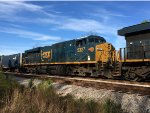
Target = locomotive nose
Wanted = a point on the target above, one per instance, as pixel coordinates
(104, 52)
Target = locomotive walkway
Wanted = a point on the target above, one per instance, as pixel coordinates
(142, 88)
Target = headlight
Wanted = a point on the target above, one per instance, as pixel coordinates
(99, 49)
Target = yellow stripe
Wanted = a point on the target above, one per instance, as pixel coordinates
(134, 60)
(88, 62)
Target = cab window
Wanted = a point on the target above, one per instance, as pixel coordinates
(91, 40)
(97, 41)
(81, 42)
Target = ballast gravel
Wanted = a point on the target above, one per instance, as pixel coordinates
(130, 103)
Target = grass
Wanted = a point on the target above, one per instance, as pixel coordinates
(44, 99)
(0, 68)
(6, 87)
(110, 107)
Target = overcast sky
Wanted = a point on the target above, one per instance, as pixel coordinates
(24, 25)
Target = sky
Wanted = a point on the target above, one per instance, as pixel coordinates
(25, 24)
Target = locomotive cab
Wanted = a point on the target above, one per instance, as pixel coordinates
(86, 47)
(92, 39)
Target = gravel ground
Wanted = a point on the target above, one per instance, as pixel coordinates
(131, 103)
(25, 81)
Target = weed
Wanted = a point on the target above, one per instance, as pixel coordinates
(30, 84)
(44, 99)
(111, 107)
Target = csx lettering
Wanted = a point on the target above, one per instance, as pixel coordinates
(46, 54)
(80, 49)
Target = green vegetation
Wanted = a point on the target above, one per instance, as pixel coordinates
(110, 107)
(0, 68)
(44, 99)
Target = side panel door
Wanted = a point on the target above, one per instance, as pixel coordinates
(58, 53)
(70, 51)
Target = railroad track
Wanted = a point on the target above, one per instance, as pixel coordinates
(141, 88)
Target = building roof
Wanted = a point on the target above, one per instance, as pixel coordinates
(134, 29)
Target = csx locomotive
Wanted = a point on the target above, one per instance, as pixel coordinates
(89, 56)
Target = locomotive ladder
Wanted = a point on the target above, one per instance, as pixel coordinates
(115, 73)
(102, 68)
(117, 69)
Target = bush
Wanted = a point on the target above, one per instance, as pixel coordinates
(45, 84)
(7, 85)
(30, 84)
(0, 68)
(44, 99)
(111, 107)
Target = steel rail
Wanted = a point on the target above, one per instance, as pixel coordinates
(141, 88)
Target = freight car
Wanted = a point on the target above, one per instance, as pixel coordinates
(11, 62)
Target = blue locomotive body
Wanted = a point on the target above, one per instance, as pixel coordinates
(64, 52)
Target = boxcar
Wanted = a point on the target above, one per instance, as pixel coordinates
(11, 61)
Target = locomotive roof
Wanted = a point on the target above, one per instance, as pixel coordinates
(33, 50)
(90, 36)
(143, 27)
(59, 43)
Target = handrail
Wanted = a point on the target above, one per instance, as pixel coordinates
(135, 52)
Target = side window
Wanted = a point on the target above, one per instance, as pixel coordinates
(129, 43)
(102, 40)
(146, 42)
(97, 41)
(84, 41)
(81, 42)
(136, 43)
(91, 40)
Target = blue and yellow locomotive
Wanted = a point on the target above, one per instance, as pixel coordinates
(75, 57)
